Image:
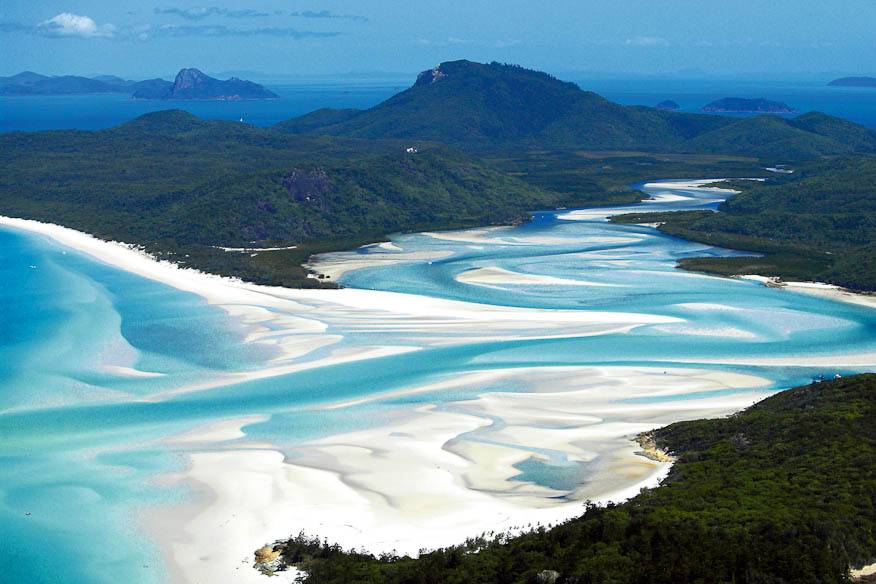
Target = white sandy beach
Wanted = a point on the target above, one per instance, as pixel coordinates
(499, 276)
(816, 289)
(432, 475)
(303, 321)
(438, 475)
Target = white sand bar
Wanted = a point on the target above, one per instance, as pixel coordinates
(429, 475)
(438, 475)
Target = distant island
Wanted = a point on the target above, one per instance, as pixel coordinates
(753, 106)
(668, 105)
(30, 83)
(194, 84)
(854, 82)
(189, 84)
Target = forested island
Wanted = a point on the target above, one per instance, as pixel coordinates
(781, 493)
(188, 84)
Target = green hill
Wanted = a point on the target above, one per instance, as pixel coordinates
(781, 493)
(774, 138)
(180, 186)
(856, 137)
(484, 107)
(476, 105)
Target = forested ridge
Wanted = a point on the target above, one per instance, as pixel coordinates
(816, 224)
(182, 187)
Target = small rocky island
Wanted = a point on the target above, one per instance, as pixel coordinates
(748, 106)
(668, 105)
(854, 82)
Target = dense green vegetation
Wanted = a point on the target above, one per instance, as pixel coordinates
(818, 223)
(781, 493)
(179, 186)
(587, 178)
(182, 187)
(488, 107)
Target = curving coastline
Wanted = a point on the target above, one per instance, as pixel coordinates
(345, 486)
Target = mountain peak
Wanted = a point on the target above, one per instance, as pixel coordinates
(189, 77)
(484, 106)
(191, 83)
(430, 76)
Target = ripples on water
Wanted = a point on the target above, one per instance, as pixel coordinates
(81, 450)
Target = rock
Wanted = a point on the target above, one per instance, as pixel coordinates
(430, 76)
(268, 560)
(309, 186)
(547, 577)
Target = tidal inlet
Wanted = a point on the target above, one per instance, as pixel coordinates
(161, 424)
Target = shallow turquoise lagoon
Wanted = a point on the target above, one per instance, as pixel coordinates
(81, 444)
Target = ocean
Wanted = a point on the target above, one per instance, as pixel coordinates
(92, 112)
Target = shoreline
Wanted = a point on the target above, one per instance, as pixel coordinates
(830, 291)
(305, 320)
(459, 468)
(307, 315)
(250, 494)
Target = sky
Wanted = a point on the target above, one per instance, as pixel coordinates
(149, 38)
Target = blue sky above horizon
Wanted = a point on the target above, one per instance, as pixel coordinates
(147, 38)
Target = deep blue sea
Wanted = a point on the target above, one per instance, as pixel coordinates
(103, 111)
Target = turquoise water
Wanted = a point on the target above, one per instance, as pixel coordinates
(81, 447)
